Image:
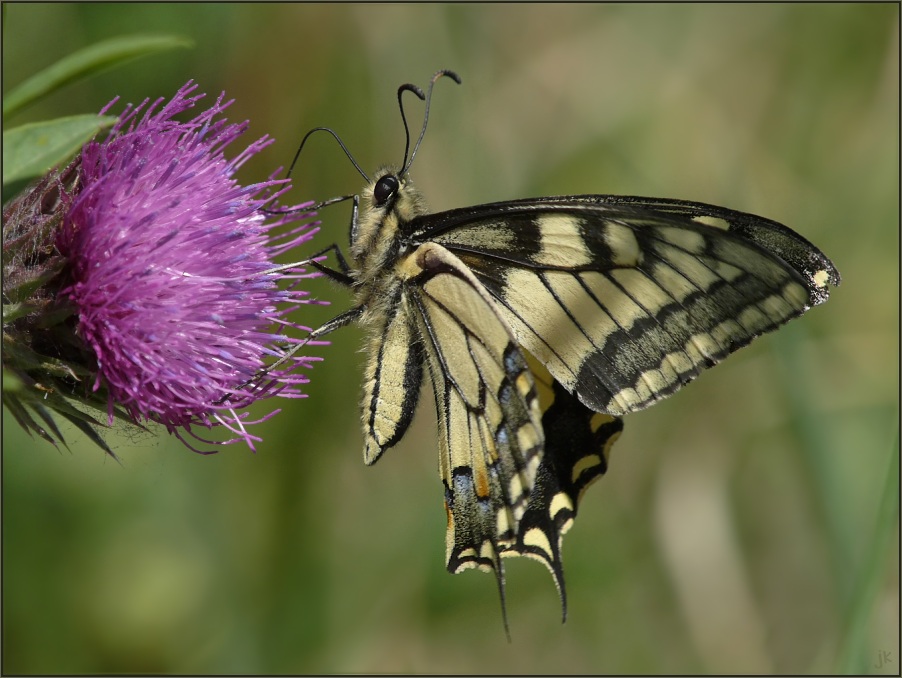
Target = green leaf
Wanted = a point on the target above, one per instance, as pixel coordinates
(87, 62)
(30, 150)
(22, 357)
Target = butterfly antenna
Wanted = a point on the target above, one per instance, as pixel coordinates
(416, 90)
(325, 203)
(340, 143)
(451, 74)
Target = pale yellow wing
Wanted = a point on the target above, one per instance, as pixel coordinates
(391, 378)
(490, 433)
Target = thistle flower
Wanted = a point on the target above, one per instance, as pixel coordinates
(146, 271)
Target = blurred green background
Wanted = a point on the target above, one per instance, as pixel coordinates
(739, 528)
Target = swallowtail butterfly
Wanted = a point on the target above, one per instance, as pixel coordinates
(623, 300)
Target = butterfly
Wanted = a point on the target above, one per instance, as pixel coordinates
(619, 301)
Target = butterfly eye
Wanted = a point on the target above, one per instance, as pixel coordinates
(385, 188)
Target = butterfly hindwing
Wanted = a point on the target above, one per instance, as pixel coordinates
(513, 477)
(490, 433)
(577, 446)
(392, 378)
(624, 304)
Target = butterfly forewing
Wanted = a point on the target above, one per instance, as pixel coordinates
(625, 305)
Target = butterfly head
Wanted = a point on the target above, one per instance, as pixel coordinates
(387, 203)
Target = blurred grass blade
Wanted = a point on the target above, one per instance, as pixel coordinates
(854, 652)
(30, 150)
(817, 446)
(87, 62)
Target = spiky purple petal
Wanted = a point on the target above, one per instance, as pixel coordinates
(170, 267)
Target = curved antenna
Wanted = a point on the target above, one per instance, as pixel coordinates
(416, 90)
(456, 78)
(340, 143)
(324, 203)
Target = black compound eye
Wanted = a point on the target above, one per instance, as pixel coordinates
(385, 189)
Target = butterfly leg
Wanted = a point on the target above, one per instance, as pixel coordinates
(338, 321)
(343, 276)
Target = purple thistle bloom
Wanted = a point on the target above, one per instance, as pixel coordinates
(170, 267)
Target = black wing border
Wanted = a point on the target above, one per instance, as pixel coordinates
(768, 235)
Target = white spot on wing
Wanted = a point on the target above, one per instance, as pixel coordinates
(821, 278)
(713, 222)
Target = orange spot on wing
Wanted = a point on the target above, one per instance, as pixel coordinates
(482, 482)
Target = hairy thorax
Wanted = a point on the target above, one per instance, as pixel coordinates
(381, 255)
